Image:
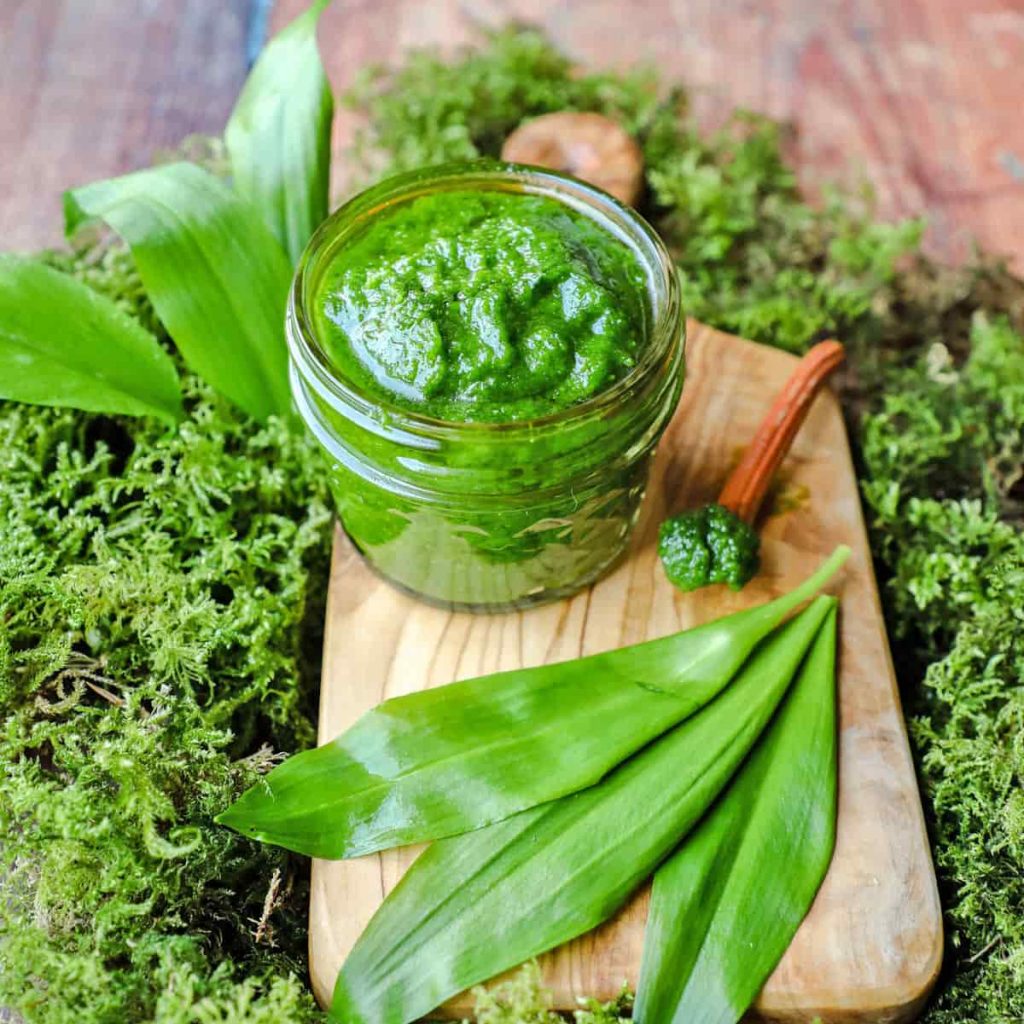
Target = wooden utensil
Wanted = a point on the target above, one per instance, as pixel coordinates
(748, 483)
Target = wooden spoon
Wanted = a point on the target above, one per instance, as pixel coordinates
(748, 483)
(717, 543)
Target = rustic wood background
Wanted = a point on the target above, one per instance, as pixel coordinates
(921, 97)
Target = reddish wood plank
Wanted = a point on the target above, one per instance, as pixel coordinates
(920, 96)
(91, 88)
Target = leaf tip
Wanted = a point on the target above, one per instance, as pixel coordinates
(235, 819)
(74, 215)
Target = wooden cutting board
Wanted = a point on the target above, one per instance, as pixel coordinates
(871, 947)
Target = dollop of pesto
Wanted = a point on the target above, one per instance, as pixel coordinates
(709, 545)
(485, 306)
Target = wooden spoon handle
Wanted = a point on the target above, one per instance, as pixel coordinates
(749, 481)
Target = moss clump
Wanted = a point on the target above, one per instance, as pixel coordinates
(944, 461)
(161, 591)
(524, 1000)
(160, 597)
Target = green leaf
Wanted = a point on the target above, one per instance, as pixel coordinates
(279, 134)
(61, 343)
(474, 905)
(443, 761)
(217, 278)
(727, 904)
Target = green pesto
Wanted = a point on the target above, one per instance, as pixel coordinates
(483, 306)
(709, 545)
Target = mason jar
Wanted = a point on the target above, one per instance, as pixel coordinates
(489, 516)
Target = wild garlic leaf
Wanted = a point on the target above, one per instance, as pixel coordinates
(457, 757)
(474, 905)
(61, 343)
(279, 135)
(217, 278)
(726, 905)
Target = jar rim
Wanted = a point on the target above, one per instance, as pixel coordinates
(347, 397)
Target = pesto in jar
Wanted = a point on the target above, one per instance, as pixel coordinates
(489, 354)
(485, 306)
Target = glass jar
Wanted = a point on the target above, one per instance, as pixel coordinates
(490, 516)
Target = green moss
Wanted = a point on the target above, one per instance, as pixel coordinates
(943, 464)
(161, 592)
(431, 109)
(524, 1000)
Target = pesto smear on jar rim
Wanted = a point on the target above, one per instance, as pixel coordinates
(482, 305)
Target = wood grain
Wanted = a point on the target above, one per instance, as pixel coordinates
(93, 88)
(919, 97)
(872, 944)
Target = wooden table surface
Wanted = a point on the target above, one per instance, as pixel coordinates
(919, 96)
